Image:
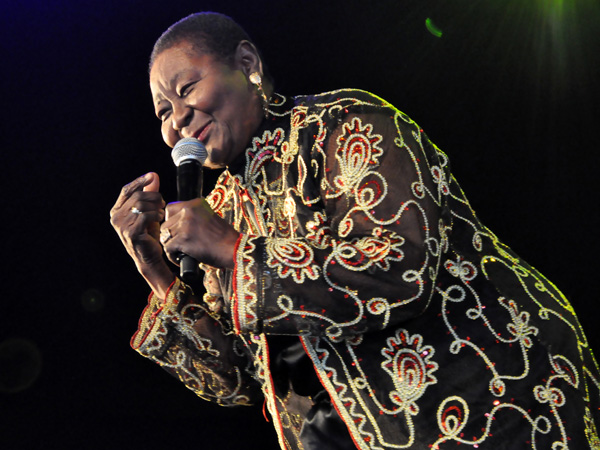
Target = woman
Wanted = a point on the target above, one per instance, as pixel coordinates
(348, 280)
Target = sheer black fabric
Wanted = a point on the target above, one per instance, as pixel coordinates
(322, 428)
(420, 325)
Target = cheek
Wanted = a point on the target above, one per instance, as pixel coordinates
(240, 120)
(168, 135)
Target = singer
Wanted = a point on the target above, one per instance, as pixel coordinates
(349, 284)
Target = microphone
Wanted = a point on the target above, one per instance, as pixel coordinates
(188, 155)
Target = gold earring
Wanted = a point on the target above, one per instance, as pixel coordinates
(256, 80)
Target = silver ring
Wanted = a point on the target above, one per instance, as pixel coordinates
(165, 235)
(135, 210)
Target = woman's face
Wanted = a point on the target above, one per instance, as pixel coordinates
(197, 95)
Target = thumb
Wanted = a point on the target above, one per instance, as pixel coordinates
(152, 182)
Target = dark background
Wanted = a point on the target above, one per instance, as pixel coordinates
(509, 91)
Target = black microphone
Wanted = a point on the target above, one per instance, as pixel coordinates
(188, 155)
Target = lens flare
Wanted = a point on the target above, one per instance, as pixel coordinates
(432, 28)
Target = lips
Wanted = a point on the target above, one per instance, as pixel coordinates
(202, 133)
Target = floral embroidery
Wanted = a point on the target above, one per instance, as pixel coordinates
(265, 148)
(196, 364)
(357, 152)
(292, 257)
(380, 250)
(410, 366)
(356, 237)
(318, 231)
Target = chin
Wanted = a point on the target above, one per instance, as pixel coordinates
(214, 164)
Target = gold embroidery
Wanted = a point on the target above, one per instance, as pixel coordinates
(355, 253)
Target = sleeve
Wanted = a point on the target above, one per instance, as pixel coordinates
(369, 258)
(191, 341)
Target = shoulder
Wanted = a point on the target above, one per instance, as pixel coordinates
(341, 97)
(337, 102)
(346, 107)
(346, 104)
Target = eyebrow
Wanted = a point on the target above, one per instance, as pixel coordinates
(173, 82)
(157, 99)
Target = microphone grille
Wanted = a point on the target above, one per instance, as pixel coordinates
(188, 148)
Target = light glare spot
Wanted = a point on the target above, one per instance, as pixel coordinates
(432, 28)
(92, 300)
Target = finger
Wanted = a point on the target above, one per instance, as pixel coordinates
(154, 182)
(129, 189)
(147, 218)
(138, 207)
(132, 225)
(145, 201)
(173, 254)
(173, 208)
(195, 206)
(148, 213)
(169, 244)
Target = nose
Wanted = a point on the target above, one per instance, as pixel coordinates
(181, 117)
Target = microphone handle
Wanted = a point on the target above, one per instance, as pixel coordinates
(188, 269)
(189, 186)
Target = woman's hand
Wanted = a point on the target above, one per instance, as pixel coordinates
(136, 217)
(191, 227)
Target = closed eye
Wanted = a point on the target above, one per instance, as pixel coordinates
(163, 114)
(186, 89)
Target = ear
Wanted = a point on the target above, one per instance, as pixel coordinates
(247, 58)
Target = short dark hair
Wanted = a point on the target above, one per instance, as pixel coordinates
(208, 32)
